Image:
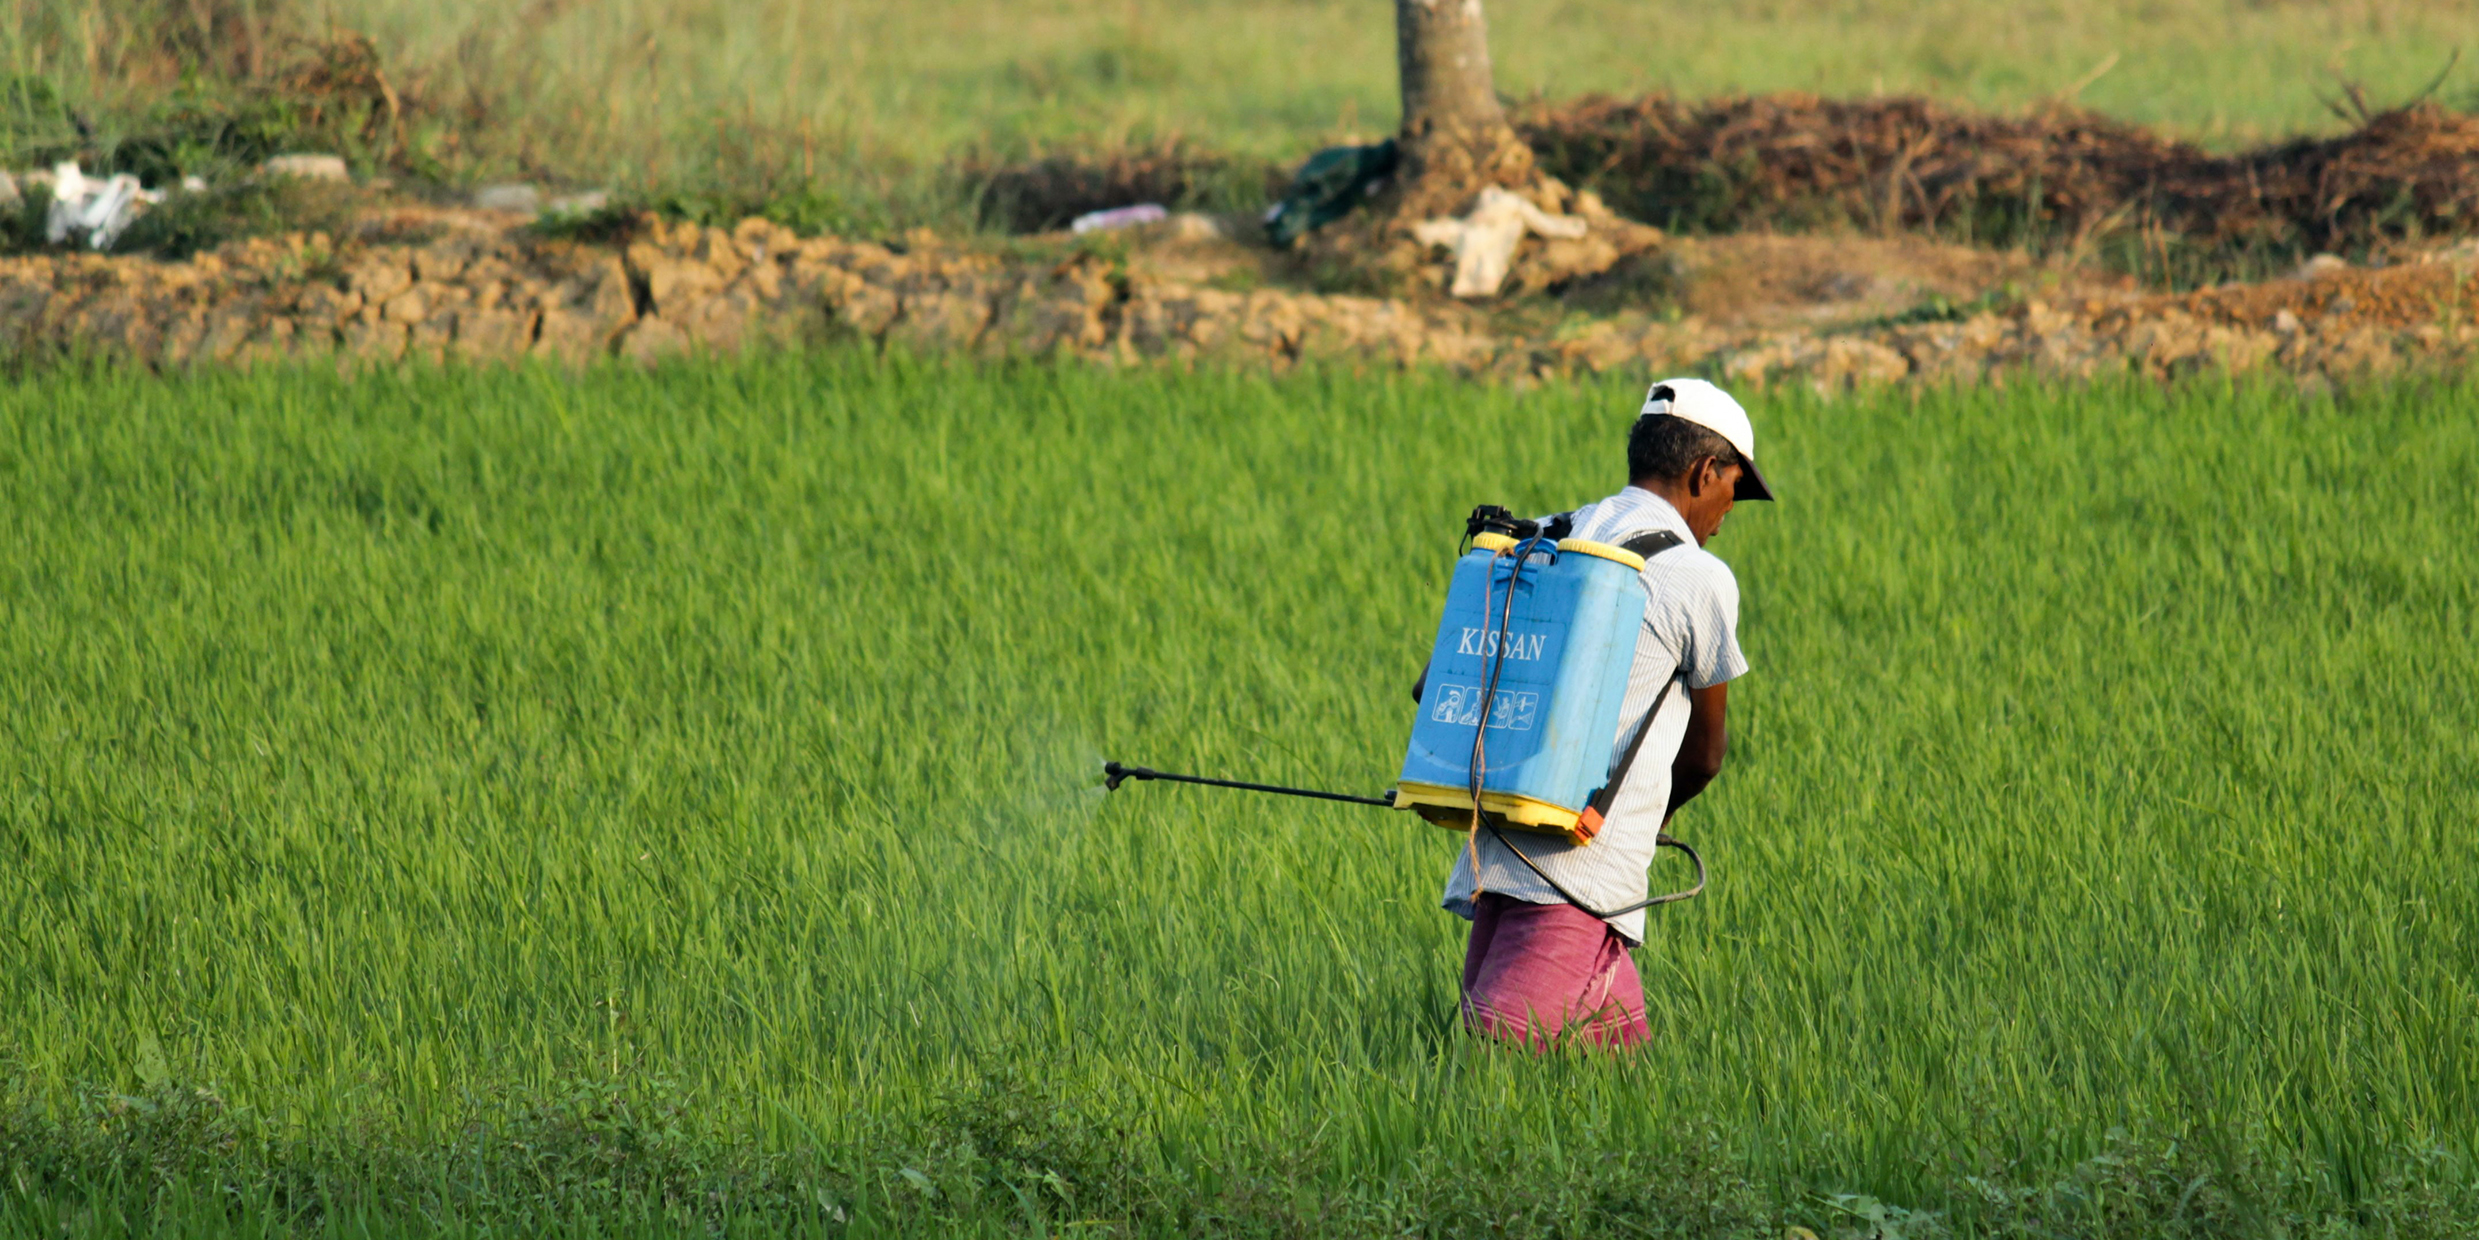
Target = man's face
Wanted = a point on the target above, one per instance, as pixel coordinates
(1712, 488)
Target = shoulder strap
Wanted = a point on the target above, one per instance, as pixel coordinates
(1652, 544)
(1599, 807)
(1647, 545)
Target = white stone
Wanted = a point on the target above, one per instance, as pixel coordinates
(2461, 253)
(307, 167)
(587, 203)
(515, 196)
(1195, 226)
(2320, 266)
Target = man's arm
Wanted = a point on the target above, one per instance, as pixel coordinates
(1700, 751)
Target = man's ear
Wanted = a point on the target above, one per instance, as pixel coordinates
(1704, 473)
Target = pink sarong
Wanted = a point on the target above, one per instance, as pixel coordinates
(1534, 972)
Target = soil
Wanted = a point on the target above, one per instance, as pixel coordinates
(2437, 291)
(2056, 178)
(1768, 282)
(1790, 281)
(1811, 240)
(1829, 311)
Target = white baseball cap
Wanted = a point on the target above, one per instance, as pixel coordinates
(1697, 401)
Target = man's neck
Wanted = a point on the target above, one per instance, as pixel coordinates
(1670, 492)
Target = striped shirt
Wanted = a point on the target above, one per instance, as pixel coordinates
(1690, 635)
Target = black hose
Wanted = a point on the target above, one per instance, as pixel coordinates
(1113, 773)
(1489, 693)
(1659, 842)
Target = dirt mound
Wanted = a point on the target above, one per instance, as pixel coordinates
(2438, 294)
(2056, 176)
(2058, 180)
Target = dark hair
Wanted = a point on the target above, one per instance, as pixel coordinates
(1662, 446)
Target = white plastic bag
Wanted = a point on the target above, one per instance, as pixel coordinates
(97, 211)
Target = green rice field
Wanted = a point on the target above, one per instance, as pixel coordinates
(512, 802)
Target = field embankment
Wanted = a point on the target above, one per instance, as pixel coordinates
(2037, 238)
(490, 290)
(442, 799)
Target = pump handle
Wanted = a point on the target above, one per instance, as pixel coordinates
(1493, 519)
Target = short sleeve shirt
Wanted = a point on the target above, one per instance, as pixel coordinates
(1690, 640)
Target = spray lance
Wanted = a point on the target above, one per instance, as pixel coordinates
(1524, 688)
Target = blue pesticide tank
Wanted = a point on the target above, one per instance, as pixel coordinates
(1569, 641)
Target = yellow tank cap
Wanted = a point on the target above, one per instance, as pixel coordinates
(1604, 550)
(1492, 542)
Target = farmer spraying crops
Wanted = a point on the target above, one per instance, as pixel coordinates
(1553, 920)
(1574, 697)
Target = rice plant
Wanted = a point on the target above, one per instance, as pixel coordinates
(474, 799)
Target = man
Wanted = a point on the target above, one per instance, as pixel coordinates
(1538, 966)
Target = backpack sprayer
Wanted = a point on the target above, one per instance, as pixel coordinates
(1521, 699)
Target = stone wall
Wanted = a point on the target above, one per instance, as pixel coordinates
(479, 296)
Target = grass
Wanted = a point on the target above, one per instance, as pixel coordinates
(463, 800)
(869, 103)
(877, 119)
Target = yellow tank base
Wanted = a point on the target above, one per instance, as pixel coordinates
(1451, 808)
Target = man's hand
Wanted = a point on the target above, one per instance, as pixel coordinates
(1700, 751)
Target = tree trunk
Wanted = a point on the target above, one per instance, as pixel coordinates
(1455, 138)
(1456, 143)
